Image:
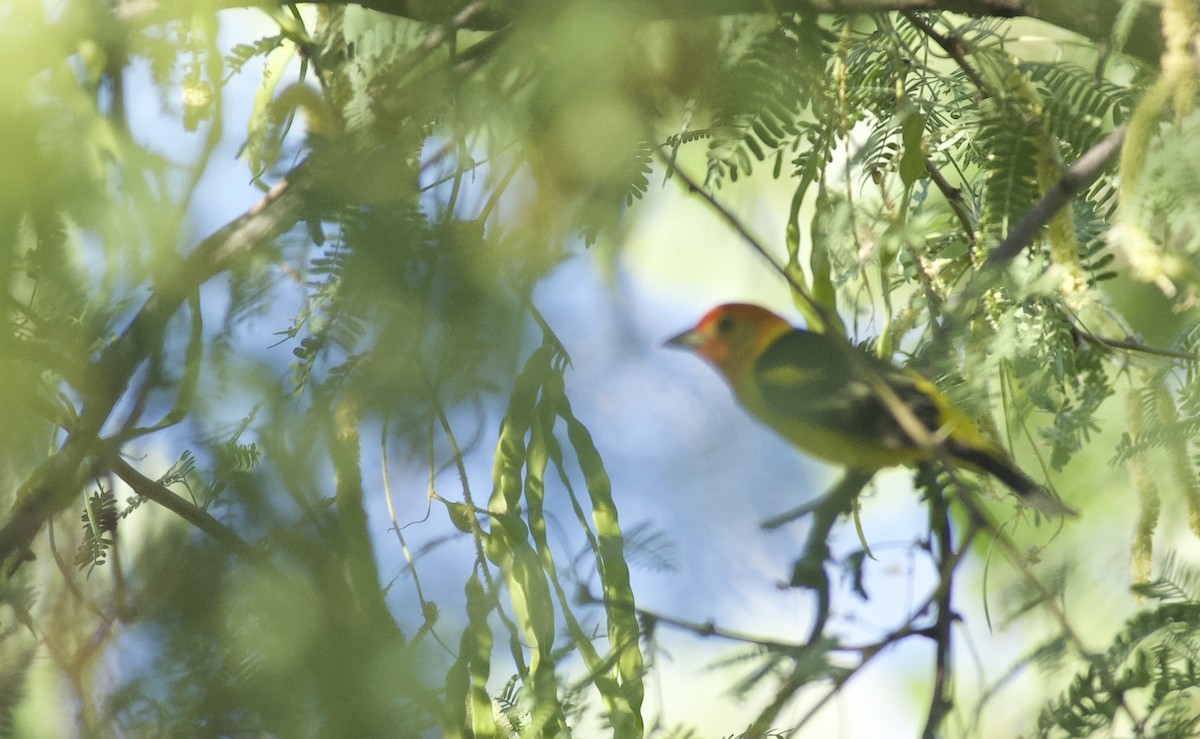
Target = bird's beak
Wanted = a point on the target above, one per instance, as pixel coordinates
(690, 339)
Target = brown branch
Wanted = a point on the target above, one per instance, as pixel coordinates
(158, 493)
(941, 702)
(808, 571)
(1093, 19)
(953, 196)
(953, 46)
(703, 628)
(871, 651)
(444, 31)
(491, 19)
(1078, 176)
(50, 488)
(1132, 345)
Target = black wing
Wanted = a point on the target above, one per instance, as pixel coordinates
(816, 378)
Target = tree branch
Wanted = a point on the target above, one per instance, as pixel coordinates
(193, 514)
(1131, 345)
(869, 652)
(56, 481)
(953, 196)
(1077, 177)
(1092, 19)
(953, 46)
(942, 701)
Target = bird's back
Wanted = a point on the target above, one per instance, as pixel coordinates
(821, 395)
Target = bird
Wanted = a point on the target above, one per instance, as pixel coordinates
(839, 404)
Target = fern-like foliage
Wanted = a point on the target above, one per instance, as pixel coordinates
(601, 210)
(1155, 434)
(1072, 385)
(1095, 253)
(235, 457)
(1010, 140)
(759, 101)
(99, 523)
(1170, 403)
(180, 470)
(1152, 662)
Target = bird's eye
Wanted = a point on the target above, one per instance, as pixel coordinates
(725, 324)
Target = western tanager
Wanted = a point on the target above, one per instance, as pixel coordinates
(840, 405)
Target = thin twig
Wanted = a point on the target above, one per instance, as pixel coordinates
(440, 33)
(1132, 345)
(68, 575)
(456, 453)
(428, 609)
(869, 652)
(486, 211)
(706, 628)
(734, 222)
(477, 534)
(391, 509)
(953, 46)
(953, 196)
(193, 514)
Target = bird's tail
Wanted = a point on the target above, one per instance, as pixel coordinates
(1023, 485)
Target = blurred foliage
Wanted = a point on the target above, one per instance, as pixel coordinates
(418, 177)
(1151, 663)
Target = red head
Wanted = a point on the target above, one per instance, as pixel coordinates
(732, 336)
